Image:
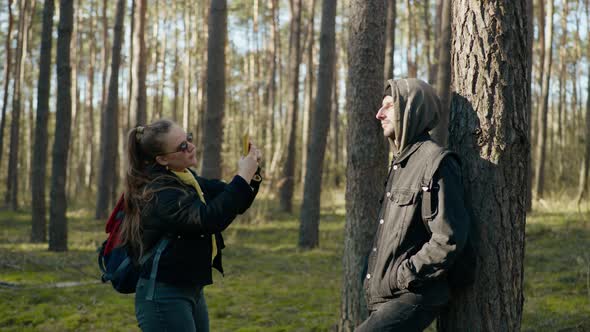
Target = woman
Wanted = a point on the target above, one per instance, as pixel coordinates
(168, 208)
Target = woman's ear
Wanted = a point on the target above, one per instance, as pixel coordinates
(162, 160)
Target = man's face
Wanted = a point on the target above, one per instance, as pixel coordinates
(385, 115)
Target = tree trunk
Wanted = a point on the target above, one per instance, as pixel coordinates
(186, 91)
(543, 109)
(367, 151)
(583, 183)
(110, 127)
(310, 209)
(287, 183)
(530, 40)
(388, 70)
(336, 125)
(105, 57)
(269, 97)
(58, 226)
(309, 98)
(90, 159)
(21, 53)
(561, 113)
(75, 57)
(213, 130)
(39, 167)
(138, 94)
(7, 66)
(489, 131)
(443, 86)
(427, 42)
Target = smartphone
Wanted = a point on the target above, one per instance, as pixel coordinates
(245, 144)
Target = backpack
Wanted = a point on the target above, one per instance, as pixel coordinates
(115, 262)
(462, 273)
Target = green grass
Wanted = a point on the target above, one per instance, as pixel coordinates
(269, 285)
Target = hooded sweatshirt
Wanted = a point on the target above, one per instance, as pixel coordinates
(416, 109)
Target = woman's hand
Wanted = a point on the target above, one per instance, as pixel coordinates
(248, 165)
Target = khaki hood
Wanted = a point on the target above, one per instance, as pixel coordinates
(416, 109)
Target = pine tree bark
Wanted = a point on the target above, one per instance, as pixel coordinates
(138, 107)
(213, 130)
(11, 198)
(488, 129)
(543, 108)
(367, 150)
(310, 209)
(390, 39)
(110, 126)
(287, 182)
(39, 167)
(58, 225)
(443, 86)
(7, 66)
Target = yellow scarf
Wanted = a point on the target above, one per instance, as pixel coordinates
(187, 177)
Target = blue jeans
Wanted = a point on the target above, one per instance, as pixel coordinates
(171, 309)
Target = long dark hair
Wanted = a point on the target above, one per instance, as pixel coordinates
(144, 143)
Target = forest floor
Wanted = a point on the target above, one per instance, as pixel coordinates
(269, 284)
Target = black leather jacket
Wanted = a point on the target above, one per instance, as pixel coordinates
(177, 211)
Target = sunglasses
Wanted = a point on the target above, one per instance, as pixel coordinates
(183, 147)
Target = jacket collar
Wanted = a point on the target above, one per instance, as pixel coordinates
(410, 149)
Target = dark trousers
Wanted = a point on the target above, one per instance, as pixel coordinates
(171, 309)
(396, 315)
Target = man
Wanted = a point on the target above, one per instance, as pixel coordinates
(423, 223)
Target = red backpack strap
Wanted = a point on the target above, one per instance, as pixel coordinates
(113, 219)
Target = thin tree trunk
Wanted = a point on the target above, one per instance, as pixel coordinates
(90, 160)
(108, 146)
(489, 131)
(366, 149)
(543, 109)
(427, 42)
(58, 225)
(105, 56)
(530, 40)
(310, 209)
(441, 132)
(7, 66)
(75, 132)
(213, 129)
(11, 198)
(269, 99)
(287, 182)
(336, 125)
(437, 40)
(186, 100)
(583, 183)
(388, 71)
(176, 74)
(138, 94)
(160, 89)
(39, 166)
(562, 86)
(130, 74)
(309, 97)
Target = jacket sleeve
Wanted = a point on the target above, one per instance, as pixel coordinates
(186, 213)
(449, 230)
(212, 188)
